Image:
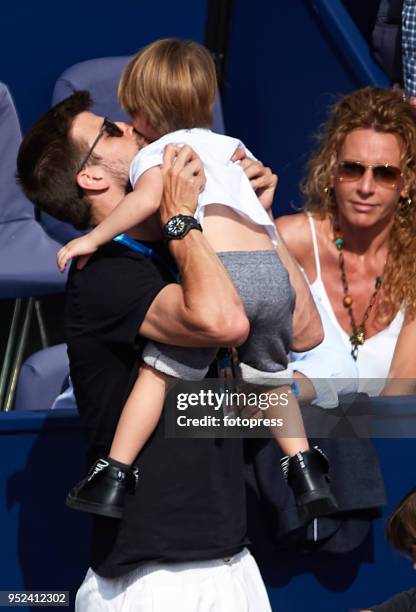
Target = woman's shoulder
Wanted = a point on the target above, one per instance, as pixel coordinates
(296, 232)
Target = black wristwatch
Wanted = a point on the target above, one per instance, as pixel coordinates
(177, 227)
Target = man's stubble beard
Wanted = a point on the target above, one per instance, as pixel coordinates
(119, 171)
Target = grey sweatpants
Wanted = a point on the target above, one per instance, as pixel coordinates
(263, 284)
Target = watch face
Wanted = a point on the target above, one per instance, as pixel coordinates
(176, 226)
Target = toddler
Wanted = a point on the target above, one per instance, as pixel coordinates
(169, 88)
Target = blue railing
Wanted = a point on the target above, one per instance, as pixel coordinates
(349, 42)
(46, 546)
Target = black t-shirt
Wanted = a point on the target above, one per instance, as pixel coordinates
(190, 501)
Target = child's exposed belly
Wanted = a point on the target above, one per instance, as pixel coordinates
(226, 230)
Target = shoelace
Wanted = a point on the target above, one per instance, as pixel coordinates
(98, 467)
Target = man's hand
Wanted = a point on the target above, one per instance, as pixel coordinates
(183, 180)
(262, 179)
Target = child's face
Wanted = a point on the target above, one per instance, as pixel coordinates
(143, 127)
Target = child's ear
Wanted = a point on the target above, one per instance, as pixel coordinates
(93, 178)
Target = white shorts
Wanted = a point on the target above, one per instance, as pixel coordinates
(220, 585)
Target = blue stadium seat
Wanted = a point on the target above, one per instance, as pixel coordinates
(27, 254)
(42, 377)
(101, 76)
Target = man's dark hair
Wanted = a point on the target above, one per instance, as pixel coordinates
(48, 162)
(401, 528)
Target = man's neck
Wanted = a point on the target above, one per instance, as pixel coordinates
(147, 230)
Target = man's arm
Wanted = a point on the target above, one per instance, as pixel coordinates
(262, 179)
(205, 310)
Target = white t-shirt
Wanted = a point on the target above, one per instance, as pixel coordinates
(226, 182)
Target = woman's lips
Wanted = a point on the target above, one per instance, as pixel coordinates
(363, 206)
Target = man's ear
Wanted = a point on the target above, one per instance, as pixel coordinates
(93, 178)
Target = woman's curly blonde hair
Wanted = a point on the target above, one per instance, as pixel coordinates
(383, 111)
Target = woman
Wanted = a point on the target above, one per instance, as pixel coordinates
(355, 240)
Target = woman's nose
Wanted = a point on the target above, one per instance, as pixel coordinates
(366, 183)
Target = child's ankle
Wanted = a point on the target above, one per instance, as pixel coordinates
(118, 464)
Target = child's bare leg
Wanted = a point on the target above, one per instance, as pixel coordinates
(104, 489)
(291, 446)
(140, 416)
(292, 420)
(305, 469)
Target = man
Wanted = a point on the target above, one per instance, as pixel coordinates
(387, 39)
(181, 542)
(189, 511)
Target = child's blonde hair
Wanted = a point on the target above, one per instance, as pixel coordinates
(173, 83)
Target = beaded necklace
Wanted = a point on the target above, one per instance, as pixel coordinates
(357, 338)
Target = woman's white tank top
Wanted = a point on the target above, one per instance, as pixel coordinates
(375, 355)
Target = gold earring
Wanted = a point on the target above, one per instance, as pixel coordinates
(405, 204)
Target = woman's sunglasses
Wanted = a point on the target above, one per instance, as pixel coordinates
(384, 174)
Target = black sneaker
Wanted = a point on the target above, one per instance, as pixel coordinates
(307, 475)
(103, 490)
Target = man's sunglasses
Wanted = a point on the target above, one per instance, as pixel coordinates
(384, 174)
(108, 127)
